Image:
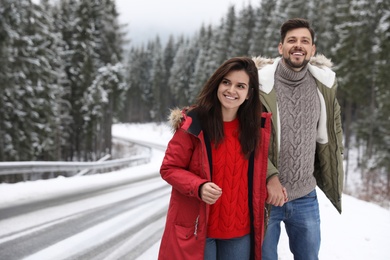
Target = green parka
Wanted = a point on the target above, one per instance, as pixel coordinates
(328, 168)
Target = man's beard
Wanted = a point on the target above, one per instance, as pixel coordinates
(295, 65)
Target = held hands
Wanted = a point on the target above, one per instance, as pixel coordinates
(210, 192)
(277, 194)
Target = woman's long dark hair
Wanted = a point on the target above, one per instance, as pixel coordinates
(249, 113)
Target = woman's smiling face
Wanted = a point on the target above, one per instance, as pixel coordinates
(232, 92)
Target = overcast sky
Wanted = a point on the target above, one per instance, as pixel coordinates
(147, 18)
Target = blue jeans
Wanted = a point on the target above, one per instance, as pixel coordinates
(301, 218)
(228, 249)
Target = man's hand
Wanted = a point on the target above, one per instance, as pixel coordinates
(210, 192)
(277, 194)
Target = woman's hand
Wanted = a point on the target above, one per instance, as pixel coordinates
(277, 194)
(210, 192)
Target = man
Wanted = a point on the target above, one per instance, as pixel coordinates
(306, 144)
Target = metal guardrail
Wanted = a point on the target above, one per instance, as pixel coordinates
(61, 166)
(159, 146)
(30, 167)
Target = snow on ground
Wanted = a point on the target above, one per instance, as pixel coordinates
(361, 232)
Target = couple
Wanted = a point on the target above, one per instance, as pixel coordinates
(261, 136)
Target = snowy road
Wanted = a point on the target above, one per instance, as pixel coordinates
(121, 215)
(109, 219)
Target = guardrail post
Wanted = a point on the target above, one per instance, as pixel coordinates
(85, 171)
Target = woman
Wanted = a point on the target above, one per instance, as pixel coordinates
(216, 163)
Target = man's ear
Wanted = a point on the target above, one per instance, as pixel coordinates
(280, 46)
(313, 52)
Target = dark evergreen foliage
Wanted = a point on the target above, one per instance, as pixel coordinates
(61, 79)
(353, 34)
(62, 82)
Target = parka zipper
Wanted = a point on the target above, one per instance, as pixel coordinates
(196, 227)
(336, 149)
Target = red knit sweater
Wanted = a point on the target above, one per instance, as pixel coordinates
(229, 216)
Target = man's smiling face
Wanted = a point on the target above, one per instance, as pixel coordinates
(297, 48)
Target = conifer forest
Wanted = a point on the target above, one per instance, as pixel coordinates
(68, 73)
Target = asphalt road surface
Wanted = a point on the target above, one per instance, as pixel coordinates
(120, 221)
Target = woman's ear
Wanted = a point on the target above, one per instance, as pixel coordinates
(250, 92)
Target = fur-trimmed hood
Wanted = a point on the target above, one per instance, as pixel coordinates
(319, 66)
(185, 119)
(319, 61)
(175, 118)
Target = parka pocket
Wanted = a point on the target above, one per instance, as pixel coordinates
(184, 233)
(187, 238)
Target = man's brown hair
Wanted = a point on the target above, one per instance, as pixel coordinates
(295, 23)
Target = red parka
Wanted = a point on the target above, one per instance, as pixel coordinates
(185, 167)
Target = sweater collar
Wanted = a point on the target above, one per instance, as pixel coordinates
(266, 75)
(289, 75)
(231, 125)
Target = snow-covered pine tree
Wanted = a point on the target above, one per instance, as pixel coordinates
(169, 53)
(108, 84)
(224, 44)
(157, 79)
(93, 48)
(181, 72)
(203, 64)
(137, 77)
(383, 93)
(31, 90)
(243, 32)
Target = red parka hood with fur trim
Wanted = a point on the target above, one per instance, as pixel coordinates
(185, 167)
